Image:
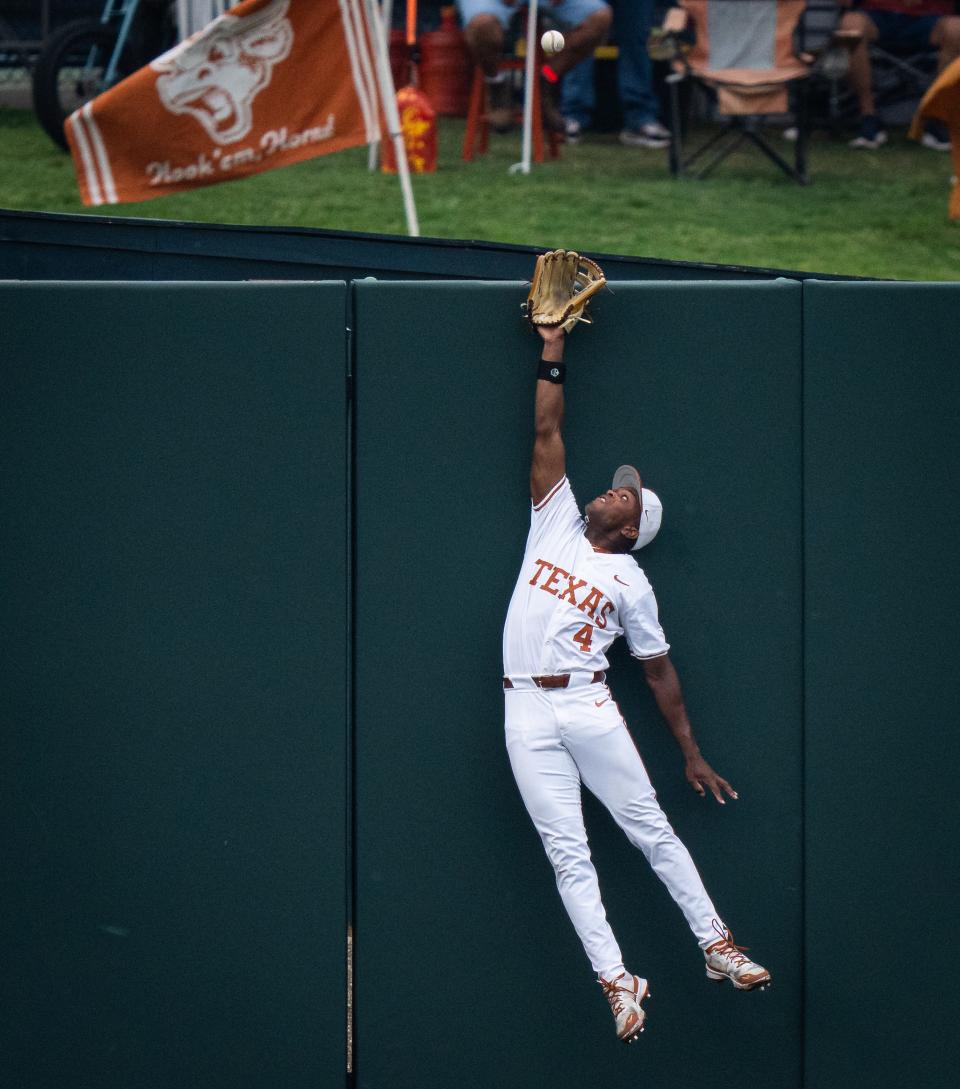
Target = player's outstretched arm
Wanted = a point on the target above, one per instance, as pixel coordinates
(665, 685)
(549, 457)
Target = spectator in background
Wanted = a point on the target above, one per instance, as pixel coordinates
(919, 23)
(584, 23)
(641, 124)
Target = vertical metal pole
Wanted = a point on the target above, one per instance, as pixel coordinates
(183, 20)
(676, 153)
(411, 22)
(530, 74)
(386, 13)
(388, 96)
(803, 126)
(128, 16)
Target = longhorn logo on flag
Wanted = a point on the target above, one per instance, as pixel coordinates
(270, 83)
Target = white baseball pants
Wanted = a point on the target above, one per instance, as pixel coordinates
(559, 737)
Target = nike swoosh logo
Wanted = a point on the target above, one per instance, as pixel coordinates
(620, 580)
(600, 703)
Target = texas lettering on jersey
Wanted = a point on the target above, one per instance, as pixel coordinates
(594, 603)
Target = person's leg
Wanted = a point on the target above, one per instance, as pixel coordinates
(484, 23)
(484, 27)
(550, 787)
(609, 764)
(585, 24)
(945, 37)
(870, 26)
(632, 22)
(588, 22)
(860, 75)
(598, 740)
(578, 96)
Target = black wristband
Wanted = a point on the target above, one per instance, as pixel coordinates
(552, 372)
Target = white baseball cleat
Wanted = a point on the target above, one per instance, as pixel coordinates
(625, 993)
(727, 961)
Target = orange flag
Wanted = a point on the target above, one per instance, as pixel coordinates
(942, 102)
(268, 84)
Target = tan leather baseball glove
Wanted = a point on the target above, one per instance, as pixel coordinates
(563, 284)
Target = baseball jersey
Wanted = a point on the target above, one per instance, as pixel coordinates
(571, 602)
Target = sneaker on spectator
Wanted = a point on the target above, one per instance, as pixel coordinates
(573, 130)
(652, 134)
(871, 134)
(936, 136)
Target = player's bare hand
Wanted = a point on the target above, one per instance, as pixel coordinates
(702, 778)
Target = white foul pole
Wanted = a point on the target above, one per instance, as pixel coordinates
(388, 96)
(530, 74)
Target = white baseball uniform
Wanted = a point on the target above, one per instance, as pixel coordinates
(568, 606)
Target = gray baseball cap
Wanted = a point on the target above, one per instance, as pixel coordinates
(651, 515)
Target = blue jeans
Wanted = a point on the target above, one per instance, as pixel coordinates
(569, 13)
(632, 21)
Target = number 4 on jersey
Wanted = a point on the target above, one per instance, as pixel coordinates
(583, 637)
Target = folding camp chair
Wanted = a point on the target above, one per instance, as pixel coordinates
(743, 50)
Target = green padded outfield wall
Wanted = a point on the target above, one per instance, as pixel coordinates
(174, 698)
(51, 246)
(882, 405)
(468, 972)
(174, 558)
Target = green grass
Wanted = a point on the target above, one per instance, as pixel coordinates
(877, 213)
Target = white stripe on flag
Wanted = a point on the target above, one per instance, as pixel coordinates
(110, 190)
(363, 96)
(93, 184)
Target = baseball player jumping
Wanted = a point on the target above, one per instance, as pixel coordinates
(579, 589)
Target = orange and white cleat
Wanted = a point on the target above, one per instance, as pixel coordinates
(625, 993)
(725, 960)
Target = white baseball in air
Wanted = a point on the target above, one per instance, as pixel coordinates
(552, 42)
